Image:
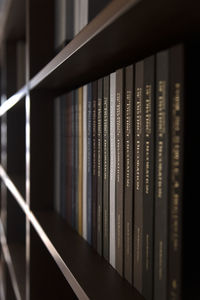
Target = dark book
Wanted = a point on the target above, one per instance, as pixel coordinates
(138, 174)
(63, 156)
(80, 160)
(106, 141)
(20, 57)
(95, 6)
(76, 158)
(128, 173)
(112, 250)
(161, 175)
(64, 23)
(69, 156)
(148, 174)
(100, 167)
(57, 157)
(119, 171)
(89, 164)
(176, 61)
(94, 163)
(73, 160)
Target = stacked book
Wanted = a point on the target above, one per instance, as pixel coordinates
(71, 16)
(118, 169)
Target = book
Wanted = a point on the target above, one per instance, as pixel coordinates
(95, 6)
(148, 174)
(176, 75)
(161, 175)
(21, 57)
(64, 23)
(100, 167)
(57, 156)
(63, 111)
(94, 163)
(138, 174)
(106, 165)
(112, 245)
(69, 156)
(85, 162)
(89, 164)
(76, 160)
(80, 160)
(128, 173)
(119, 171)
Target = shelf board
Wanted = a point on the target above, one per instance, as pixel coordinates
(118, 36)
(90, 270)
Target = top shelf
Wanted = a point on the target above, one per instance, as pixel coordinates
(120, 32)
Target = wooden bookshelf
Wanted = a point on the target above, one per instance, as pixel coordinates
(49, 259)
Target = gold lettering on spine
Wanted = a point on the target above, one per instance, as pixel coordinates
(94, 139)
(105, 137)
(175, 170)
(148, 129)
(118, 131)
(127, 133)
(138, 133)
(161, 127)
(99, 134)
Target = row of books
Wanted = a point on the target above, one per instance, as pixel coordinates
(71, 16)
(118, 162)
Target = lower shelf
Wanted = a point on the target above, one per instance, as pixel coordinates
(95, 276)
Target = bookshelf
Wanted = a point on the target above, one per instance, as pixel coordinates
(41, 256)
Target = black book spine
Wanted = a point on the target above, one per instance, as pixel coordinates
(128, 176)
(73, 159)
(69, 157)
(176, 170)
(63, 156)
(119, 172)
(148, 205)
(89, 165)
(161, 175)
(76, 150)
(106, 106)
(99, 167)
(138, 185)
(94, 163)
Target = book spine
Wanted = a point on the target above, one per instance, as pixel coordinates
(119, 170)
(85, 162)
(128, 176)
(89, 164)
(161, 175)
(60, 23)
(69, 160)
(94, 163)
(112, 167)
(69, 20)
(80, 159)
(63, 156)
(106, 106)
(76, 150)
(57, 157)
(99, 167)
(73, 159)
(176, 170)
(138, 185)
(148, 205)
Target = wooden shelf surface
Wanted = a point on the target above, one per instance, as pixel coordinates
(96, 277)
